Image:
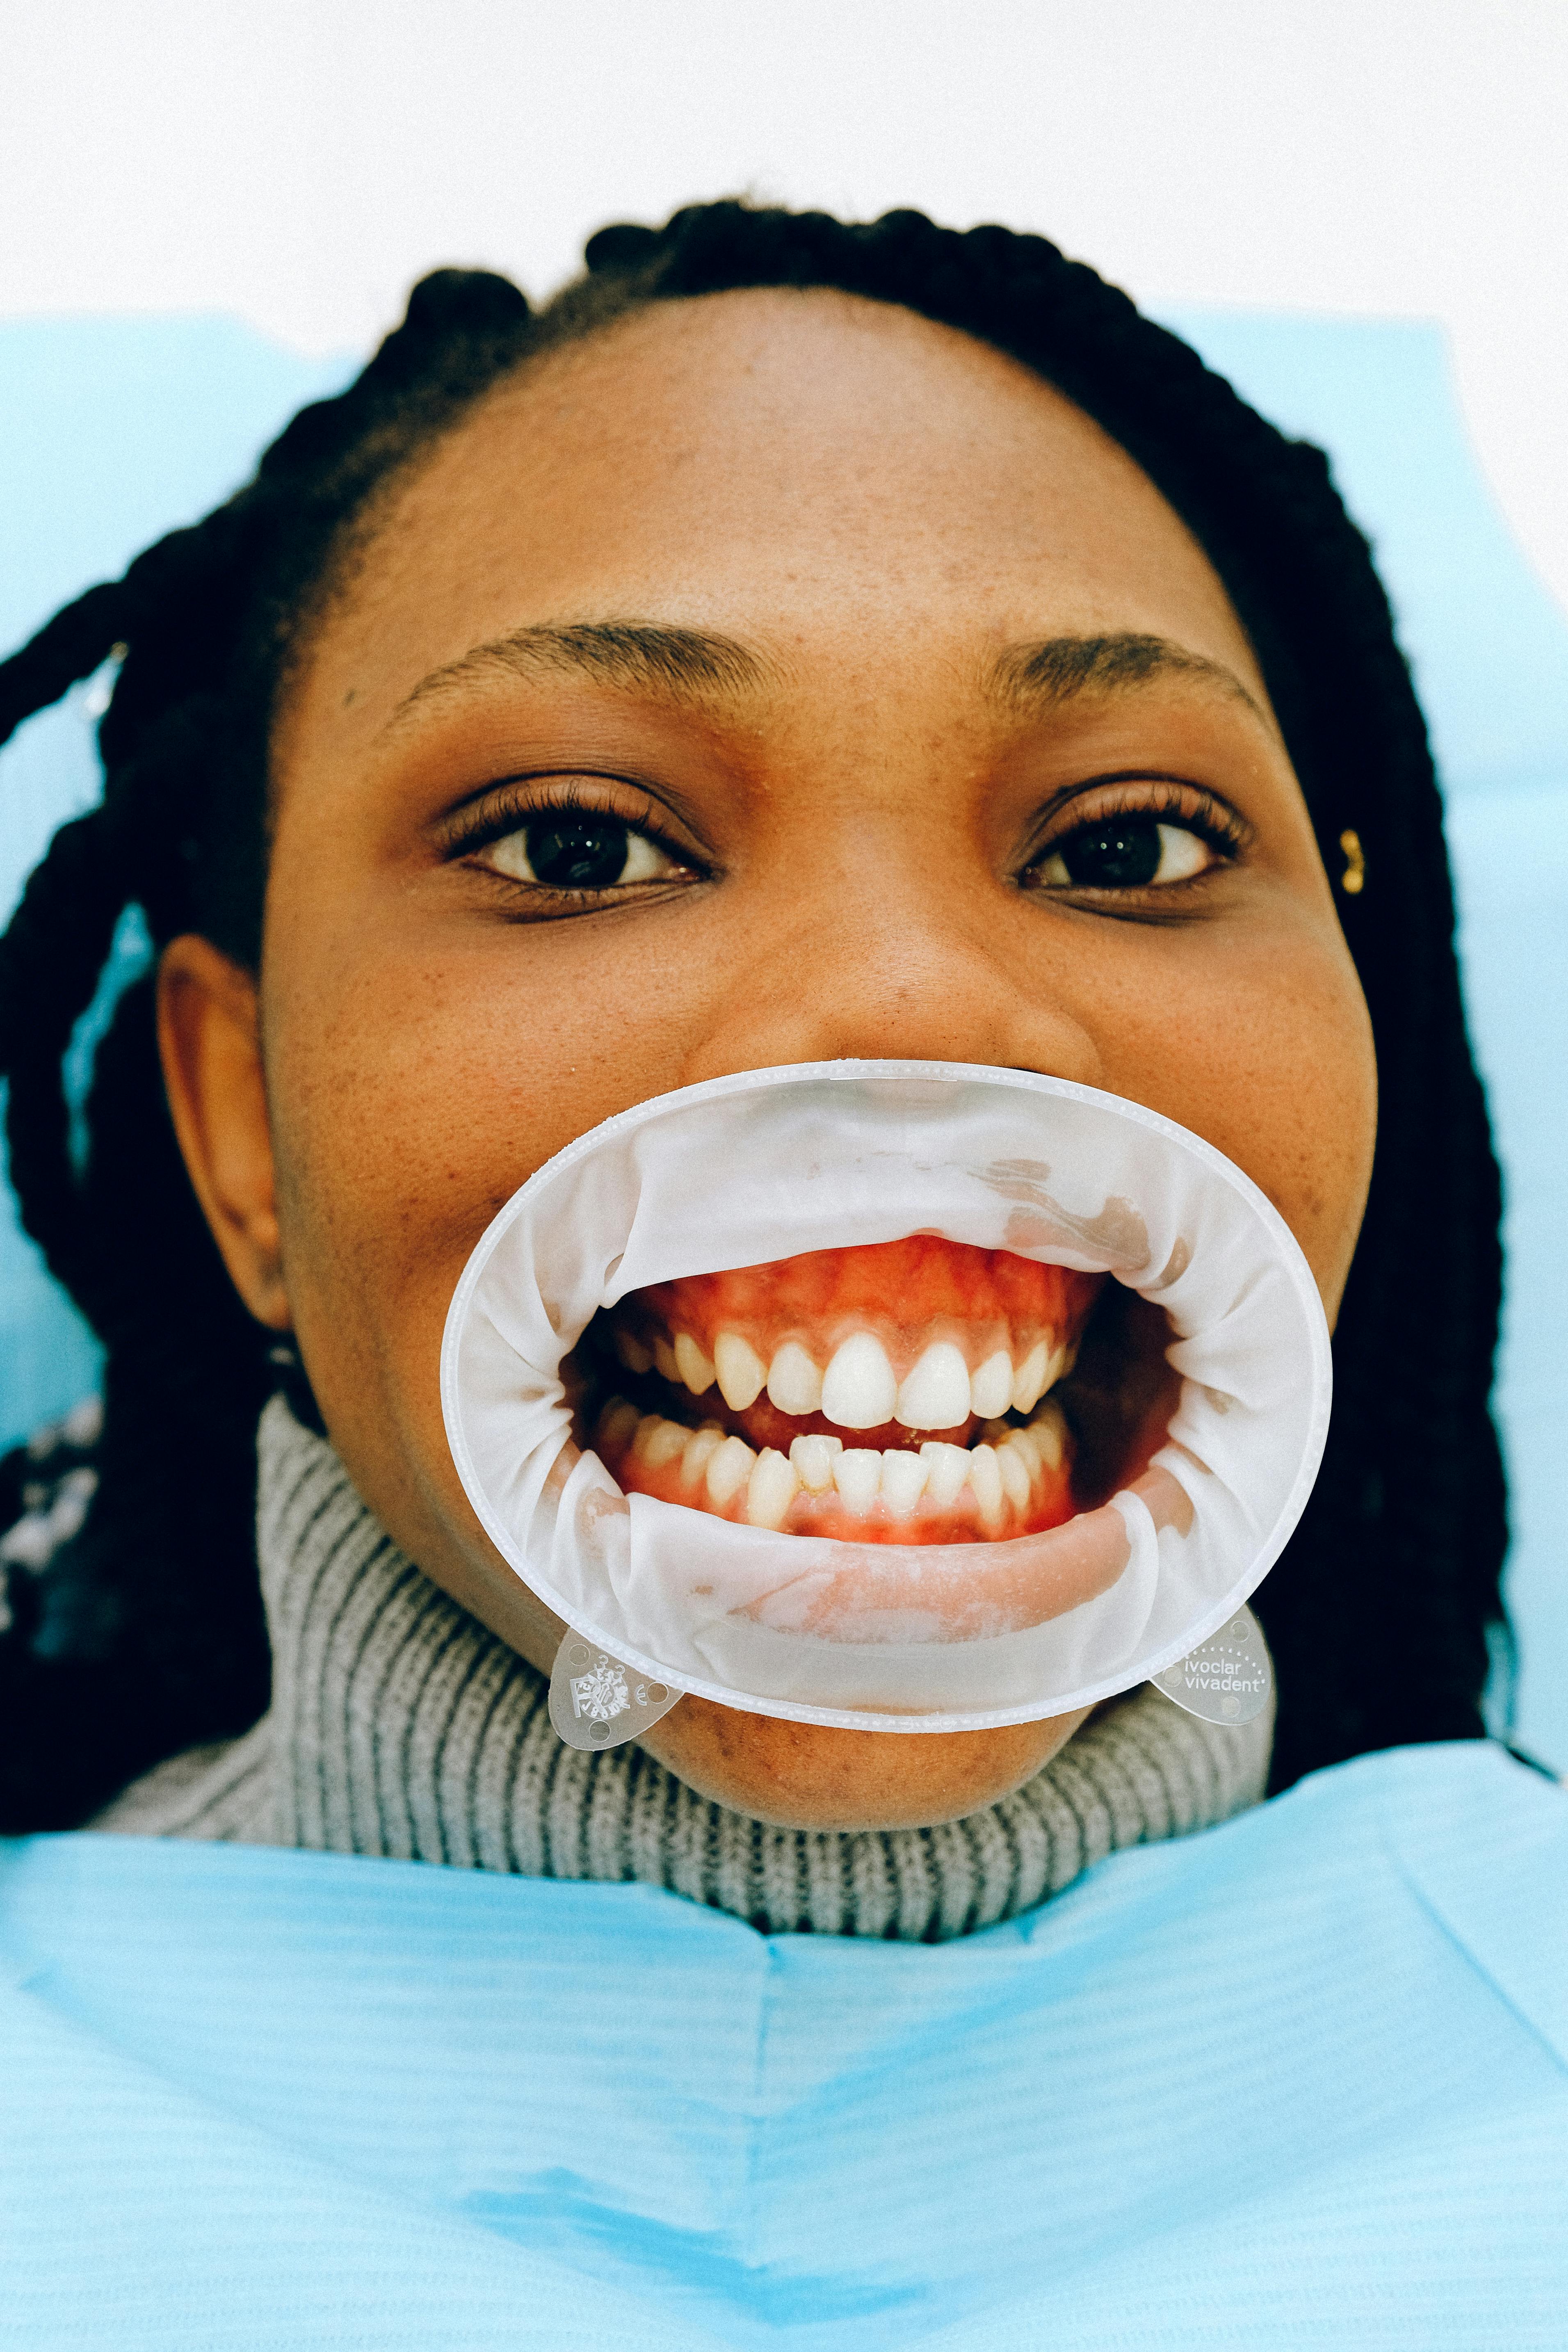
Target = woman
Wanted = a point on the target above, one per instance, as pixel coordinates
(794, 641)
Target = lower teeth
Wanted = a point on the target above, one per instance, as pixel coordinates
(1004, 1475)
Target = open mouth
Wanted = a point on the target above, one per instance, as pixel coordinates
(918, 1484)
(916, 1392)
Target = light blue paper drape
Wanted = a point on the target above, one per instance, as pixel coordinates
(1299, 2082)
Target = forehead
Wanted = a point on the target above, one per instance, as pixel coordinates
(800, 468)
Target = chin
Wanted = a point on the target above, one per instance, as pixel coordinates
(805, 1776)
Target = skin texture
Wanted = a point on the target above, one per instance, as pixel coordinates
(857, 815)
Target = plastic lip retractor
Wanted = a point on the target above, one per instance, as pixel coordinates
(662, 1598)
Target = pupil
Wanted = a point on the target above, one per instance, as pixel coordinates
(1121, 853)
(577, 852)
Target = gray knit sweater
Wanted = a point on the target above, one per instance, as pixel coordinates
(400, 1727)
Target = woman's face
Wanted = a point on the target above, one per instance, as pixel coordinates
(843, 691)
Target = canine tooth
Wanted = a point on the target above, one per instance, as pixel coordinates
(794, 1383)
(904, 1477)
(741, 1370)
(859, 1391)
(1016, 1472)
(617, 1424)
(699, 1452)
(991, 1387)
(813, 1459)
(633, 1354)
(935, 1393)
(1046, 1434)
(664, 1361)
(774, 1488)
(669, 1439)
(986, 1478)
(692, 1363)
(949, 1469)
(728, 1467)
(858, 1475)
(1029, 1382)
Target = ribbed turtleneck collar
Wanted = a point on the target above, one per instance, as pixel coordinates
(401, 1726)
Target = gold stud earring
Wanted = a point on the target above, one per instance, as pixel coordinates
(1353, 881)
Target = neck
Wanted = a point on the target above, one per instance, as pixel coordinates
(399, 1726)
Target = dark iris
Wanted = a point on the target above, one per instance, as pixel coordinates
(577, 850)
(1122, 853)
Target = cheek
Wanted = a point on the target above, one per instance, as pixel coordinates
(413, 1087)
(1277, 1070)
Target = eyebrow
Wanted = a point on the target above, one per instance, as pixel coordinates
(1026, 677)
(687, 666)
(704, 667)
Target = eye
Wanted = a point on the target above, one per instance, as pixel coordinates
(579, 849)
(1127, 852)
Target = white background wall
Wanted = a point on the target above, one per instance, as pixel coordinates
(298, 161)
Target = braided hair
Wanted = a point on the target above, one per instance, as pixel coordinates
(146, 1632)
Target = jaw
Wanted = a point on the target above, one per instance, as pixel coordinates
(808, 1776)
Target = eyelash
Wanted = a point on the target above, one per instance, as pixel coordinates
(1195, 810)
(522, 802)
(1163, 800)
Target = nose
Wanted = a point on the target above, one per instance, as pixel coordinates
(886, 964)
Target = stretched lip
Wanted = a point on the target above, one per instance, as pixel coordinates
(855, 1152)
(919, 1392)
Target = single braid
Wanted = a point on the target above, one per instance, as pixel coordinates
(146, 1634)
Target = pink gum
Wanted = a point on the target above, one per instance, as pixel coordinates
(906, 1291)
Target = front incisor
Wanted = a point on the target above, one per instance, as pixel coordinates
(858, 1390)
(934, 1393)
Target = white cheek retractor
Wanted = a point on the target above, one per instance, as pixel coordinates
(660, 1599)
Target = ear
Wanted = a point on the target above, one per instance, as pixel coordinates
(209, 1038)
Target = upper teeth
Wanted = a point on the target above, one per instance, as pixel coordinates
(794, 1383)
(859, 1389)
(1033, 1376)
(991, 1387)
(937, 1393)
(740, 1368)
(692, 1363)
